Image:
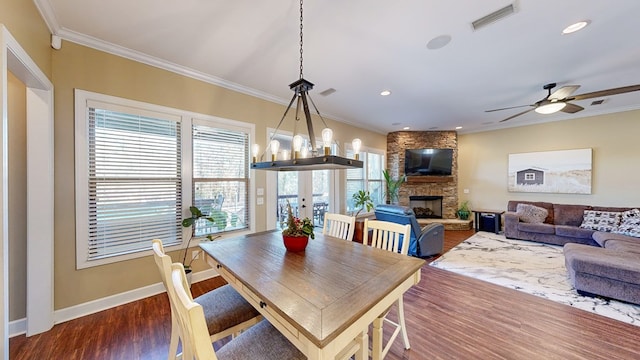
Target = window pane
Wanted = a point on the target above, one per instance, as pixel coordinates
(374, 166)
(220, 179)
(134, 183)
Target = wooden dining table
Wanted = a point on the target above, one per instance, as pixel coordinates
(322, 299)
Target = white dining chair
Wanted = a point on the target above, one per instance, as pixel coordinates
(391, 237)
(226, 312)
(338, 225)
(260, 342)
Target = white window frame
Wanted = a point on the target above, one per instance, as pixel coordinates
(186, 118)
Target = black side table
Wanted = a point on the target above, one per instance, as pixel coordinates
(488, 220)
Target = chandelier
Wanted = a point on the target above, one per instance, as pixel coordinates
(303, 157)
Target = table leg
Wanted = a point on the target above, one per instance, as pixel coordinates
(376, 350)
(363, 352)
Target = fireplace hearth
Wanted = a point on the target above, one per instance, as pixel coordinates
(426, 207)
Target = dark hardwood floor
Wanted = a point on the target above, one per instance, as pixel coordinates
(449, 316)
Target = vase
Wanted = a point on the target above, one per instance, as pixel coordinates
(295, 243)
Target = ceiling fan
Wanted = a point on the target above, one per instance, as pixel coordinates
(559, 100)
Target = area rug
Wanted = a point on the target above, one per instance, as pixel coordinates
(531, 267)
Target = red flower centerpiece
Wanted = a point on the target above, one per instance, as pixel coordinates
(296, 234)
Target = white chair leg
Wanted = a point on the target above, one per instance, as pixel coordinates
(175, 339)
(405, 338)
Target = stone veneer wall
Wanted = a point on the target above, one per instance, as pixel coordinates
(398, 142)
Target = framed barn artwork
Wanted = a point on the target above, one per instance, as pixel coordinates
(562, 171)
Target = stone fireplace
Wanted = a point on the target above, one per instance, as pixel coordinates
(426, 207)
(445, 187)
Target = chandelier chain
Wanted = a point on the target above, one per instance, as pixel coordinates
(301, 42)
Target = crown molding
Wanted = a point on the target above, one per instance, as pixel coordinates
(48, 15)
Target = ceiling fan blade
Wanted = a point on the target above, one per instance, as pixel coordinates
(518, 114)
(608, 92)
(572, 108)
(563, 92)
(507, 108)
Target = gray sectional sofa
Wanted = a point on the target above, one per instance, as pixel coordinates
(599, 262)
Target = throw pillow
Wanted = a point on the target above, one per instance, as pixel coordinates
(531, 213)
(630, 224)
(601, 220)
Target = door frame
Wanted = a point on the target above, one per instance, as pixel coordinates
(40, 189)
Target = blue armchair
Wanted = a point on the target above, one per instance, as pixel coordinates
(424, 242)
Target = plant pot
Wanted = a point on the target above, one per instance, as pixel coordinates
(358, 231)
(463, 215)
(189, 274)
(295, 243)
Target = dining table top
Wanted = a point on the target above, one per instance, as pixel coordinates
(322, 290)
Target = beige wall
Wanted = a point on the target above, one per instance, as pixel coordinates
(23, 20)
(17, 126)
(483, 160)
(75, 66)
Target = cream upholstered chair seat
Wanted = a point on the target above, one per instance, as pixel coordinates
(225, 311)
(260, 342)
(391, 237)
(338, 225)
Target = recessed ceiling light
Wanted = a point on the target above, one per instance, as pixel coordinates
(575, 27)
(438, 42)
(458, 127)
(385, 92)
(406, 128)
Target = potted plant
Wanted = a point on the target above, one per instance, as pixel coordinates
(197, 214)
(296, 234)
(393, 186)
(362, 199)
(464, 211)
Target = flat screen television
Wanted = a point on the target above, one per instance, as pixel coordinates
(430, 162)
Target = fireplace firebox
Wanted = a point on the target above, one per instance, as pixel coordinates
(426, 206)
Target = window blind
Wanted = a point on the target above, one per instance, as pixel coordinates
(220, 178)
(134, 182)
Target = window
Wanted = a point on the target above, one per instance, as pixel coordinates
(529, 176)
(220, 180)
(369, 178)
(138, 168)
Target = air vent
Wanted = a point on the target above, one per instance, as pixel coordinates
(433, 128)
(328, 92)
(493, 17)
(597, 102)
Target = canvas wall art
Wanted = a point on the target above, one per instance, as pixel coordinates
(563, 171)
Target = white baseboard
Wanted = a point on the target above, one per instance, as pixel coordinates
(19, 327)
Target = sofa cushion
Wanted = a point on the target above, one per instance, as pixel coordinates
(600, 220)
(630, 224)
(574, 232)
(604, 263)
(531, 213)
(603, 238)
(564, 214)
(512, 205)
(540, 228)
(624, 246)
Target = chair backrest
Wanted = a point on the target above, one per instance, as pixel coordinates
(401, 215)
(163, 261)
(339, 225)
(196, 342)
(387, 235)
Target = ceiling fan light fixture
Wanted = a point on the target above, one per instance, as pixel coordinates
(551, 107)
